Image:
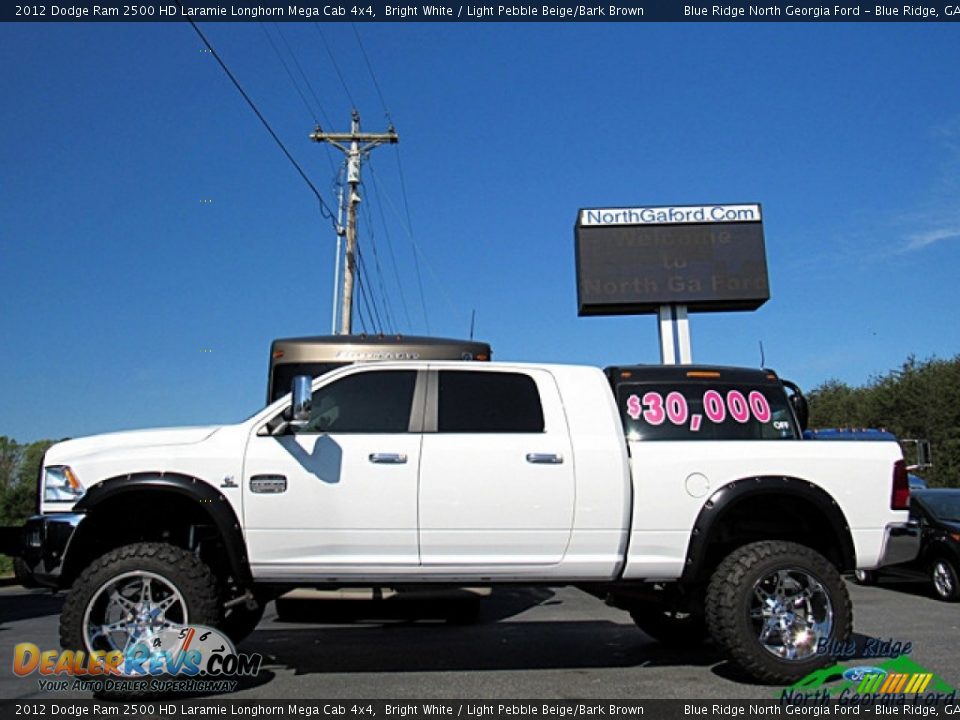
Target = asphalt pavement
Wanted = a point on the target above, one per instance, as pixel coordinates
(543, 643)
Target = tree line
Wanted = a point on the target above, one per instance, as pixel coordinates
(19, 471)
(920, 399)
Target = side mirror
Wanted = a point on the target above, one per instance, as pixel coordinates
(302, 400)
(802, 410)
(924, 455)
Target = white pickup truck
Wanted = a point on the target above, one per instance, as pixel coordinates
(685, 495)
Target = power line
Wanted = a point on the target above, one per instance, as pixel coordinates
(416, 256)
(393, 257)
(366, 290)
(373, 75)
(306, 79)
(416, 263)
(336, 67)
(384, 297)
(325, 210)
(296, 85)
(366, 302)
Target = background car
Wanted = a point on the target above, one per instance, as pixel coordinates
(937, 511)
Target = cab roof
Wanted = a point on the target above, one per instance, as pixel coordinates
(690, 373)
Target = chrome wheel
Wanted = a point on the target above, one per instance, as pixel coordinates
(131, 608)
(944, 581)
(791, 613)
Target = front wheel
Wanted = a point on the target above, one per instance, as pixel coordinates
(779, 610)
(943, 573)
(133, 593)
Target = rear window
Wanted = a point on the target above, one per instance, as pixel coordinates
(705, 411)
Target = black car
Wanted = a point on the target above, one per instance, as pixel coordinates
(938, 513)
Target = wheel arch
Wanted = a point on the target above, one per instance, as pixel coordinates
(199, 512)
(768, 508)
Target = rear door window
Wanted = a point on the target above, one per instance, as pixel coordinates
(705, 411)
(488, 402)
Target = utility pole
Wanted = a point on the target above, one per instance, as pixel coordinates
(354, 145)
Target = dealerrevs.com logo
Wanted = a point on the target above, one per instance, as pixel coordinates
(187, 658)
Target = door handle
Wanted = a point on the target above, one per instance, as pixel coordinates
(388, 458)
(544, 458)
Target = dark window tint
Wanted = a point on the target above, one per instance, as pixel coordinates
(369, 402)
(488, 402)
(705, 411)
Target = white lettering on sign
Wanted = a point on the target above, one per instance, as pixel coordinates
(671, 215)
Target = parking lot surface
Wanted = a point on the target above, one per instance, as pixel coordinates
(545, 643)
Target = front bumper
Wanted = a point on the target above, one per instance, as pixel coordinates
(44, 543)
(901, 543)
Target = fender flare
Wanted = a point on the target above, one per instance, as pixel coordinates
(730, 495)
(213, 502)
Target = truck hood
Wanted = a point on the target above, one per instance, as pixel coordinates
(69, 450)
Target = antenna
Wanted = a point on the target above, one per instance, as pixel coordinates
(473, 317)
(763, 357)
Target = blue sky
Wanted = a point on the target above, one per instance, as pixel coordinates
(128, 302)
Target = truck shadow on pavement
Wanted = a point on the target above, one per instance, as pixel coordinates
(404, 637)
(27, 605)
(502, 646)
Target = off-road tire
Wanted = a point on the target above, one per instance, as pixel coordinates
(668, 626)
(182, 569)
(731, 593)
(948, 591)
(21, 572)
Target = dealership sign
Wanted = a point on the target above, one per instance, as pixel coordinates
(637, 260)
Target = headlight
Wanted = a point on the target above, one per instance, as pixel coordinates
(60, 484)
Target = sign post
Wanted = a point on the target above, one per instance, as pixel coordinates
(674, 335)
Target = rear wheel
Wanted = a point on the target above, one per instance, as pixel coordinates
(946, 585)
(865, 577)
(777, 609)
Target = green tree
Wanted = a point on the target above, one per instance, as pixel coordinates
(919, 400)
(19, 470)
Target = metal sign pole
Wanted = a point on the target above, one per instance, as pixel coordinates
(668, 354)
(674, 325)
(683, 334)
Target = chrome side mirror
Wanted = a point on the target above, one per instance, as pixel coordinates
(302, 400)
